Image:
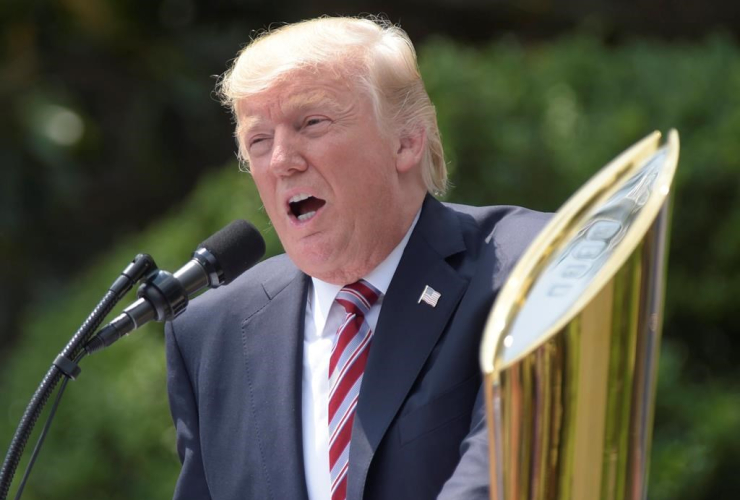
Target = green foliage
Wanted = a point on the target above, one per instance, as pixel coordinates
(521, 125)
(113, 437)
(528, 126)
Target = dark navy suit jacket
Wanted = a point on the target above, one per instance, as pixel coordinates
(235, 366)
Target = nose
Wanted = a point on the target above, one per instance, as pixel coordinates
(287, 157)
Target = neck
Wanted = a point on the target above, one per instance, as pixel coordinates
(383, 250)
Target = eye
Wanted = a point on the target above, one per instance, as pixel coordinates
(258, 143)
(257, 139)
(314, 120)
(316, 125)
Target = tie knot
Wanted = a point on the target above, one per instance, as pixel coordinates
(358, 297)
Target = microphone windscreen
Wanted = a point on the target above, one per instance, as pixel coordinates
(237, 247)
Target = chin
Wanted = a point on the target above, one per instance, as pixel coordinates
(326, 270)
(327, 263)
(312, 261)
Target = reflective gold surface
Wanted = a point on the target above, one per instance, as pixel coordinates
(570, 349)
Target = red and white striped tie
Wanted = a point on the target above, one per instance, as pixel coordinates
(346, 366)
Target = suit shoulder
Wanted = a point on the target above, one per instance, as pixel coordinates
(241, 298)
(504, 223)
(506, 230)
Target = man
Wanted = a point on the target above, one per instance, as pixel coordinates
(347, 368)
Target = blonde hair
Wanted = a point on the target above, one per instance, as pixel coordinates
(377, 54)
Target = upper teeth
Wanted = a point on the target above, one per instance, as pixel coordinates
(299, 197)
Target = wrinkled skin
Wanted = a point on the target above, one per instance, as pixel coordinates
(317, 138)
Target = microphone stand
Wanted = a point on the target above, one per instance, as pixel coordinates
(66, 364)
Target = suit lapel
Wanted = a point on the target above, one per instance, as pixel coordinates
(406, 333)
(273, 347)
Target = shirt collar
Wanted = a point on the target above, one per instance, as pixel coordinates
(324, 293)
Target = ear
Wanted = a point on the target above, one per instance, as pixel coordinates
(410, 149)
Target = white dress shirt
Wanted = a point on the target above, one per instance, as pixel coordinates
(323, 317)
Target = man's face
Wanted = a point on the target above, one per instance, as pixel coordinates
(326, 173)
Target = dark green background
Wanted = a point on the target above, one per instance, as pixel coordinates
(111, 143)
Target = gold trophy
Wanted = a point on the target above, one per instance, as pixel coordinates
(570, 349)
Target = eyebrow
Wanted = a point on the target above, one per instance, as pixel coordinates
(244, 125)
(312, 99)
(298, 102)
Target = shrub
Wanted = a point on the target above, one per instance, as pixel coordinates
(521, 125)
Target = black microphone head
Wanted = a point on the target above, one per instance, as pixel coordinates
(236, 247)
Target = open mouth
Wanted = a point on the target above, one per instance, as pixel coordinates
(303, 206)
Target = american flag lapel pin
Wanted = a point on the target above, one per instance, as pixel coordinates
(429, 296)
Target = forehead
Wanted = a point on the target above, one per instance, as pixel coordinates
(299, 92)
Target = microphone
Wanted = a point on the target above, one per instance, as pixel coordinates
(163, 296)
